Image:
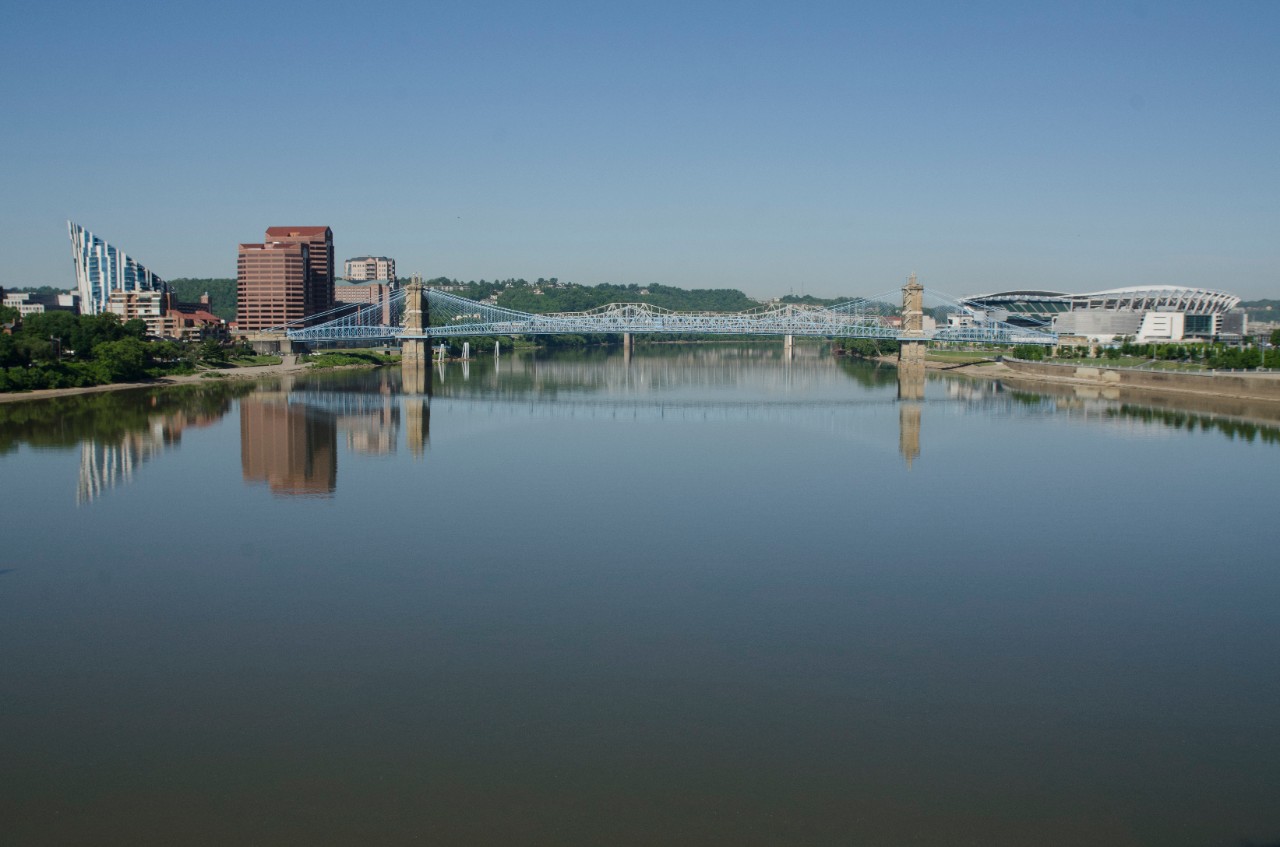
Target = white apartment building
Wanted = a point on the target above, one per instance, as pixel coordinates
(370, 269)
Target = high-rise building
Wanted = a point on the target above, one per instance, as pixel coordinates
(272, 280)
(319, 241)
(370, 269)
(102, 268)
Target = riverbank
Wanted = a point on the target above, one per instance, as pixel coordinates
(288, 366)
(1237, 385)
(1234, 385)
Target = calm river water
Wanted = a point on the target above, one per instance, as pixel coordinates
(703, 597)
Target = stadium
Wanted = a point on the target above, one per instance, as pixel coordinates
(1151, 313)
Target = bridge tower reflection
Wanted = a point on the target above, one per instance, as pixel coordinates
(415, 383)
(911, 376)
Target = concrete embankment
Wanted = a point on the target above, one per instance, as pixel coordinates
(1245, 386)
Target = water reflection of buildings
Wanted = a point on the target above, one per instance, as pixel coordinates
(104, 465)
(374, 431)
(290, 447)
(289, 437)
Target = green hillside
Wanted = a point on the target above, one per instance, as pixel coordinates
(221, 291)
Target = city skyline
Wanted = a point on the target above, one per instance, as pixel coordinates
(814, 149)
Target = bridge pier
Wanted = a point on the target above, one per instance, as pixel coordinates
(912, 352)
(628, 343)
(414, 351)
(788, 346)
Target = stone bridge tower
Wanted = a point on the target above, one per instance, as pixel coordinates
(413, 345)
(910, 349)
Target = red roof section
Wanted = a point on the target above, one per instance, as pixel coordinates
(286, 231)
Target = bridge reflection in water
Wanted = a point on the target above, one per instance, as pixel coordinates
(291, 430)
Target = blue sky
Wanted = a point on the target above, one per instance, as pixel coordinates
(830, 148)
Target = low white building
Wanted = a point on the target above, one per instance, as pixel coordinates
(35, 304)
(1162, 326)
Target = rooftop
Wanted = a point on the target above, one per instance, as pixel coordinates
(295, 231)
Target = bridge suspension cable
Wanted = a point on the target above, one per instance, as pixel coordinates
(452, 316)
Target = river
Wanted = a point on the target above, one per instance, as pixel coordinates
(699, 596)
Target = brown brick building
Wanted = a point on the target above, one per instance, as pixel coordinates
(319, 241)
(272, 280)
(165, 317)
(374, 292)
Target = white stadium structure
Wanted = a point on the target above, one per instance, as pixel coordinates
(1145, 313)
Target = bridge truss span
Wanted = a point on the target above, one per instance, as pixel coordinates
(452, 316)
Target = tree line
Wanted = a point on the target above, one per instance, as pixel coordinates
(60, 349)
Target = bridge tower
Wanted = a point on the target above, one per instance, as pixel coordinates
(413, 344)
(910, 349)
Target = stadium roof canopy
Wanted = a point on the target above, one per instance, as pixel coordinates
(1143, 298)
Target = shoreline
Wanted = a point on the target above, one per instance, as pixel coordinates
(1235, 386)
(1092, 376)
(289, 365)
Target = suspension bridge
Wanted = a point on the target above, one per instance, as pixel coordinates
(416, 314)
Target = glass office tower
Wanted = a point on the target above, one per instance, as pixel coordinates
(102, 269)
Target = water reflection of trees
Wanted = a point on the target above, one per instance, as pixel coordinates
(1245, 430)
(1245, 419)
(65, 422)
(116, 431)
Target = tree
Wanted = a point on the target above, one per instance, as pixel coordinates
(123, 360)
(94, 330)
(212, 352)
(10, 355)
(48, 325)
(1275, 338)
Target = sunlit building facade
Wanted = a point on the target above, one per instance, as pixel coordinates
(272, 281)
(369, 269)
(102, 268)
(318, 293)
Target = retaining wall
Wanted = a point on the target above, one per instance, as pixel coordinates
(1265, 386)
